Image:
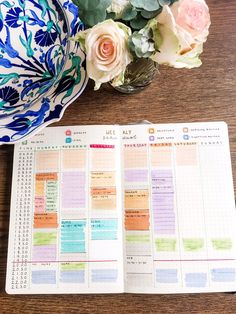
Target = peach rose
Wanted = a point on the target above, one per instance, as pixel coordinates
(182, 29)
(193, 16)
(106, 46)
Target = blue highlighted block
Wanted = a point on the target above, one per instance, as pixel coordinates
(196, 280)
(72, 276)
(70, 225)
(104, 275)
(167, 275)
(44, 277)
(104, 224)
(73, 236)
(104, 235)
(73, 247)
(70, 236)
(223, 274)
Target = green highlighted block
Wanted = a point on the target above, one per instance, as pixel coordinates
(222, 244)
(138, 238)
(193, 245)
(165, 245)
(73, 266)
(45, 238)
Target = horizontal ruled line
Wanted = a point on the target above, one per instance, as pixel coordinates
(32, 262)
(194, 260)
(139, 273)
(139, 255)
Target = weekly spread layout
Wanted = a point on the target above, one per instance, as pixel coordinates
(110, 209)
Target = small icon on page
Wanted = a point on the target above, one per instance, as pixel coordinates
(68, 133)
(151, 138)
(185, 130)
(151, 131)
(68, 140)
(186, 137)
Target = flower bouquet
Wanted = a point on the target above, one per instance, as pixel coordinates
(119, 33)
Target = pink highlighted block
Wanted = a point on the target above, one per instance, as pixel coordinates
(39, 205)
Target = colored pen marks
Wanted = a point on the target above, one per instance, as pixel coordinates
(196, 280)
(104, 229)
(165, 245)
(137, 219)
(163, 202)
(43, 277)
(44, 246)
(72, 272)
(167, 276)
(73, 190)
(193, 245)
(223, 274)
(222, 244)
(73, 236)
(104, 275)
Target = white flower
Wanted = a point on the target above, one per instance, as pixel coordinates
(178, 47)
(106, 46)
(118, 6)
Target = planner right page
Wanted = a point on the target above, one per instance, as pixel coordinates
(179, 208)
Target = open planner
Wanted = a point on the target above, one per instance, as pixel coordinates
(112, 209)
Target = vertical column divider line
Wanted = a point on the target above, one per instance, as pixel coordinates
(152, 228)
(88, 161)
(174, 160)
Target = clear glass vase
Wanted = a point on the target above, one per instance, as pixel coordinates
(139, 74)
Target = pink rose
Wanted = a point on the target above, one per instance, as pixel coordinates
(192, 16)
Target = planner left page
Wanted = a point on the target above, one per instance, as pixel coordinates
(66, 222)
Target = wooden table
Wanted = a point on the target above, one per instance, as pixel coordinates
(204, 94)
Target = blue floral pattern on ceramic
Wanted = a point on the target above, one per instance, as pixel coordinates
(41, 70)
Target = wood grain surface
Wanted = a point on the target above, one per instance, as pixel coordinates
(204, 94)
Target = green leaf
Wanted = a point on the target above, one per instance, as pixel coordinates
(138, 23)
(92, 12)
(129, 13)
(150, 15)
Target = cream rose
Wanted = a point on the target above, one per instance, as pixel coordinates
(106, 46)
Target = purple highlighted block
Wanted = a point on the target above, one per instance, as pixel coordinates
(163, 200)
(157, 174)
(73, 190)
(44, 253)
(136, 175)
(77, 178)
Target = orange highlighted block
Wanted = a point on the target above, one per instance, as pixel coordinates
(51, 176)
(47, 160)
(137, 219)
(103, 201)
(161, 156)
(102, 159)
(103, 178)
(136, 199)
(135, 157)
(47, 220)
(74, 159)
(186, 156)
(103, 191)
(39, 188)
